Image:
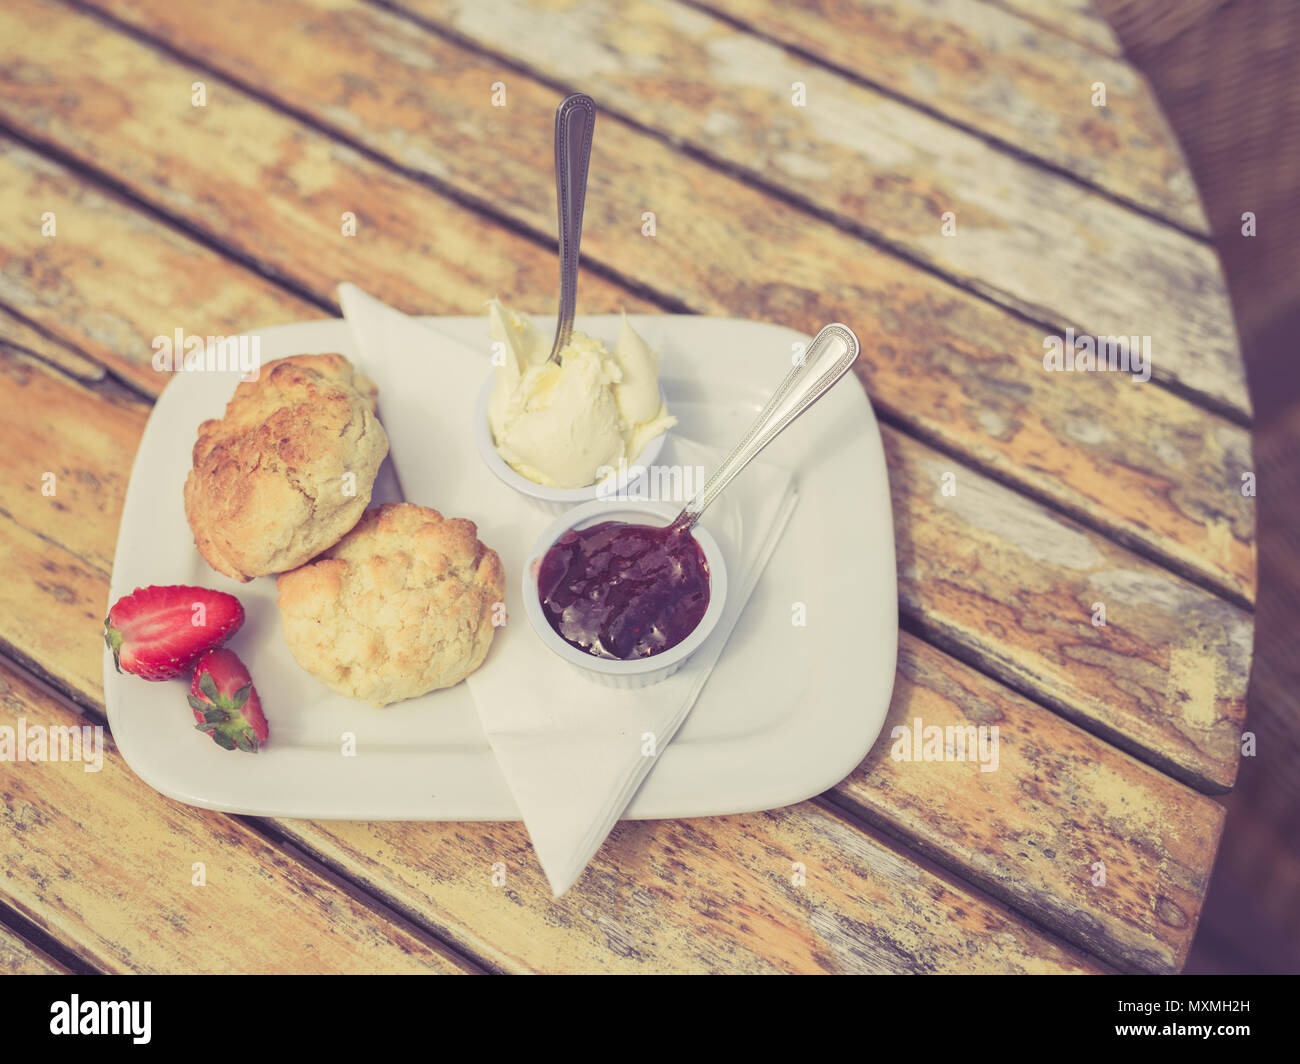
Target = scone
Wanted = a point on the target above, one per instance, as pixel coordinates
(402, 605)
(288, 469)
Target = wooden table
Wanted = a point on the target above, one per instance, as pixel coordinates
(799, 167)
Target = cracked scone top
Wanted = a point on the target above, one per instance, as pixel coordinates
(269, 489)
(402, 605)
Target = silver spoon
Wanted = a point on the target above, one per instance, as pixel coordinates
(830, 356)
(575, 122)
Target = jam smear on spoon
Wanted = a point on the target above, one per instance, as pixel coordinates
(624, 591)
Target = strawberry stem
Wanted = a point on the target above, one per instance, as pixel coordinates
(113, 638)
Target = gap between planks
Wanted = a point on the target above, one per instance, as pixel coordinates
(1080, 515)
(925, 857)
(1081, 23)
(917, 625)
(116, 189)
(43, 945)
(360, 890)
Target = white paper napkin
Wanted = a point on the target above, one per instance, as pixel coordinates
(572, 751)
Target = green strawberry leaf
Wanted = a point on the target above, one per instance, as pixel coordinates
(209, 687)
(198, 703)
(113, 639)
(241, 696)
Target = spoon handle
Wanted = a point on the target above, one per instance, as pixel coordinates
(830, 356)
(575, 122)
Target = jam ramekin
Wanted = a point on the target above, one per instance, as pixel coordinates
(557, 500)
(639, 672)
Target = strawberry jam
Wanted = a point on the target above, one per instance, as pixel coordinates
(618, 590)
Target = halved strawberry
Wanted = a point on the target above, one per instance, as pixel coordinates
(158, 632)
(225, 703)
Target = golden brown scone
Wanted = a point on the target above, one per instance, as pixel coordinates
(400, 606)
(269, 489)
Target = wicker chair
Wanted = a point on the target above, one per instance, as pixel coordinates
(1226, 74)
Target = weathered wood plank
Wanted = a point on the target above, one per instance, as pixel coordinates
(1024, 237)
(1136, 461)
(17, 335)
(1033, 828)
(18, 957)
(78, 486)
(1001, 77)
(52, 608)
(1018, 588)
(107, 865)
(1079, 20)
(112, 279)
(1158, 859)
(712, 895)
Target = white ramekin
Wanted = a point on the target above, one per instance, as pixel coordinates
(640, 672)
(556, 500)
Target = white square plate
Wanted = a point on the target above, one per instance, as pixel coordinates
(789, 711)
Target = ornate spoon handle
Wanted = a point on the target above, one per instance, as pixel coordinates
(575, 123)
